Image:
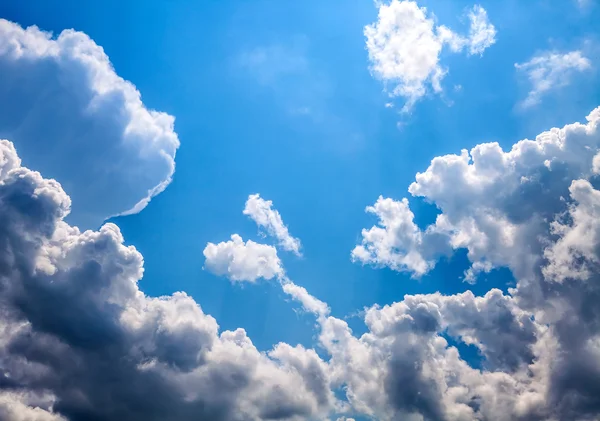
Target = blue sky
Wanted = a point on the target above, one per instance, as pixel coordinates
(281, 99)
(243, 130)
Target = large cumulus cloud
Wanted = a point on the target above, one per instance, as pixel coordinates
(494, 203)
(534, 210)
(77, 121)
(80, 341)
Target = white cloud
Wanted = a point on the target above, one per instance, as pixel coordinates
(405, 43)
(309, 302)
(398, 243)
(482, 34)
(76, 120)
(261, 211)
(27, 407)
(575, 254)
(493, 203)
(534, 210)
(241, 261)
(550, 71)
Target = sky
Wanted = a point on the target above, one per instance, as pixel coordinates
(328, 210)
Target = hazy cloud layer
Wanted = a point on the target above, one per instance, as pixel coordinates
(550, 71)
(77, 121)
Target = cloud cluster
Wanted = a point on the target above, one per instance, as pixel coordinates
(405, 44)
(549, 71)
(78, 122)
(80, 341)
(261, 211)
(533, 209)
(493, 203)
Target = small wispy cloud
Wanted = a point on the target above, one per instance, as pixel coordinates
(550, 71)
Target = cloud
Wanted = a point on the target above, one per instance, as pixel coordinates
(482, 34)
(398, 243)
(533, 209)
(77, 121)
(493, 203)
(261, 211)
(80, 341)
(550, 71)
(310, 303)
(576, 255)
(405, 43)
(241, 261)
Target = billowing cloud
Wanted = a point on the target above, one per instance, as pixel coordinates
(77, 121)
(241, 261)
(493, 203)
(398, 243)
(534, 210)
(405, 43)
(80, 341)
(261, 211)
(550, 71)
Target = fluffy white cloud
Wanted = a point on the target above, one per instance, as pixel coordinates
(496, 204)
(398, 243)
(241, 261)
(551, 70)
(533, 209)
(404, 47)
(261, 211)
(79, 340)
(577, 253)
(77, 121)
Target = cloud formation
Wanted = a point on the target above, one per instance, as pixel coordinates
(405, 43)
(77, 121)
(533, 209)
(80, 341)
(261, 211)
(398, 243)
(551, 71)
(493, 203)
